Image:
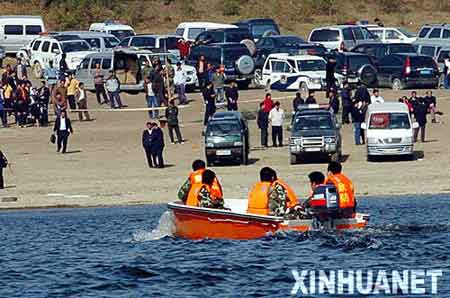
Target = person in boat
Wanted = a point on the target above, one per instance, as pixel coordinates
(270, 196)
(198, 168)
(202, 194)
(315, 179)
(344, 186)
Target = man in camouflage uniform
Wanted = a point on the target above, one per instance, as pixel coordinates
(277, 200)
(205, 198)
(169, 74)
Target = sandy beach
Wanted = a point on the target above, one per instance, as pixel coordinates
(106, 163)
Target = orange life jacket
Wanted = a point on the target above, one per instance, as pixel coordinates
(258, 198)
(216, 189)
(291, 196)
(192, 199)
(345, 190)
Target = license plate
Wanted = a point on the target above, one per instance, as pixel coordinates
(352, 80)
(223, 152)
(312, 149)
(427, 72)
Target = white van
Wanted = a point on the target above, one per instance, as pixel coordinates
(18, 31)
(190, 30)
(389, 130)
(119, 30)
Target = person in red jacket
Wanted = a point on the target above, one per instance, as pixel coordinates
(184, 47)
(268, 103)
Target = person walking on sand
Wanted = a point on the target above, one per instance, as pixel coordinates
(263, 124)
(157, 146)
(81, 99)
(147, 143)
(62, 128)
(276, 118)
(173, 123)
(232, 95)
(152, 100)
(113, 87)
(209, 98)
(420, 113)
(72, 87)
(218, 80)
(180, 83)
(3, 164)
(99, 85)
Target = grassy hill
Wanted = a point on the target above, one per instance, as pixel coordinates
(294, 16)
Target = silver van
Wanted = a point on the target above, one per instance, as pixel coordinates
(18, 31)
(342, 37)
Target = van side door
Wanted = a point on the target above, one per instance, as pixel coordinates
(13, 37)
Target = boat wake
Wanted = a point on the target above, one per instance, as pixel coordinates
(165, 228)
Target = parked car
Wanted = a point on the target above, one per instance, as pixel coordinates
(18, 31)
(227, 138)
(389, 130)
(434, 32)
(442, 54)
(392, 34)
(2, 55)
(161, 43)
(314, 132)
(128, 64)
(222, 36)
(97, 40)
(190, 30)
(276, 44)
(259, 27)
(341, 37)
(50, 48)
(379, 50)
(400, 71)
(355, 68)
(292, 72)
(121, 31)
(235, 57)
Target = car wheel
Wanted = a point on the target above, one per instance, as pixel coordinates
(304, 88)
(294, 159)
(368, 75)
(37, 69)
(397, 85)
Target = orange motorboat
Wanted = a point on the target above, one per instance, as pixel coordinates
(199, 223)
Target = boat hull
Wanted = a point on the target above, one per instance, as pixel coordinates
(199, 223)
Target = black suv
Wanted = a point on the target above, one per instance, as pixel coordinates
(227, 138)
(236, 58)
(400, 71)
(259, 27)
(222, 36)
(379, 50)
(355, 67)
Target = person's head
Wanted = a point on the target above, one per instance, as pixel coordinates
(61, 83)
(268, 96)
(311, 93)
(413, 93)
(376, 92)
(179, 65)
(209, 85)
(208, 177)
(405, 98)
(198, 164)
(63, 114)
(97, 65)
(218, 69)
(149, 125)
(277, 105)
(429, 93)
(202, 58)
(111, 73)
(346, 85)
(298, 95)
(169, 61)
(19, 60)
(172, 102)
(315, 179)
(266, 174)
(81, 85)
(233, 84)
(400, 99)
(334, 167)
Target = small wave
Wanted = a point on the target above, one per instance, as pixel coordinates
(136, 272)
(165, 228)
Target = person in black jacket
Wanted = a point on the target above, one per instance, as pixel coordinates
(330, 79)
(147, 143)
(263, 124)
(209, 98)
(420, 113)
(298, 101)
(62, 128)
(157, 146)
(172, 122)
(311, 98)
(333, 103)
(3, 164)
(232, 96)
(362, 94)
(346, 98)
(358, 116)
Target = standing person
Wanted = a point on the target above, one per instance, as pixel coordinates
(184, 47)
(263, 124)
(420, 113)
(81, 99)
(113, 87)
(329, 77)
(99, 85)
(62, 128)
(3, 164)
(180, 83)
(447, 72)
(232, 95)
(297, 102)
(72, 87)
(362, 94)
(147, 69)
(43, 100)
(201, 68)
(157, 146)
(169, 74)
(218, 81)
(152, 100)
(158, 85)
(3, 113)
(210, 71)
(268, 103)
(358, 116)
(430, 102)
(172, 122)
(311, 98)
(346, 98)
(209, 98)
(51, 75)
(276, 118)
(63, 67)
(147, 143)
(60, 100)
(334, 103)
(376, 97)
(20, 70)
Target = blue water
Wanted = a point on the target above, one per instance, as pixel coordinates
(112, 252)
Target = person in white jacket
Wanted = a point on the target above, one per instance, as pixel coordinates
(276, 118)
(180, 83)
(376, 97)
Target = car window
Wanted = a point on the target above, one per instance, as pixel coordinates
(45, 46)
(55, 47)
(36, 45)
(442, 55)
(435, 33)
(390, 61)
(74, 46)
(322, 35)
(168, 43)
(313, 122)
(258, 30)
(424, 31)
(194, 32)
(13, 30)
(389, 121)
(111, 42)
(95, 61)
(401, 48)
(267, 65)
(392, 34)
(106, 63)
(357, 61)
(238, 36)
(93, 42)
(121, 34)
(125, 42)
(280, 66)
(422, 62)
(347, 33)
(311, 65)
(179, 31)
(446, 33)
(140, 41)
(374, 51)
(85, 63)
(290, 41)
(377, 33)
(428, 50)
(33, 29)
(358, 34)
(406, 32)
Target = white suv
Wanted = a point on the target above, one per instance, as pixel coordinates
(341, 37)
(50, 48)
(292, 72)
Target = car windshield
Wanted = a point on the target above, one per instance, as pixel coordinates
(259, 30)
(111, 42)
(325, 35)
(422, 62)
(223, 128)
(406, 32)
(311, 65)
(312, 50)
(231, 55)
(93, 42)
(173, 59)
(121, 34)
(312, 122)
(290, 41)
(389, 121)
(168, 43)
(74, 46)
(402, 48)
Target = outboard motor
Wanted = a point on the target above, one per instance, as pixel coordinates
(324, 204)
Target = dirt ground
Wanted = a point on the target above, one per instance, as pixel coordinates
(107, 166)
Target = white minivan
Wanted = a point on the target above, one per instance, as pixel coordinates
(389, 130)
(18, 31)
(121, 31)
(190, 30)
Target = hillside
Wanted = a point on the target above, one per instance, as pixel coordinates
(294, 16)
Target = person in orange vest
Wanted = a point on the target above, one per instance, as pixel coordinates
(344, 186)
(201, 194)
(198, 167)
(269, 196)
